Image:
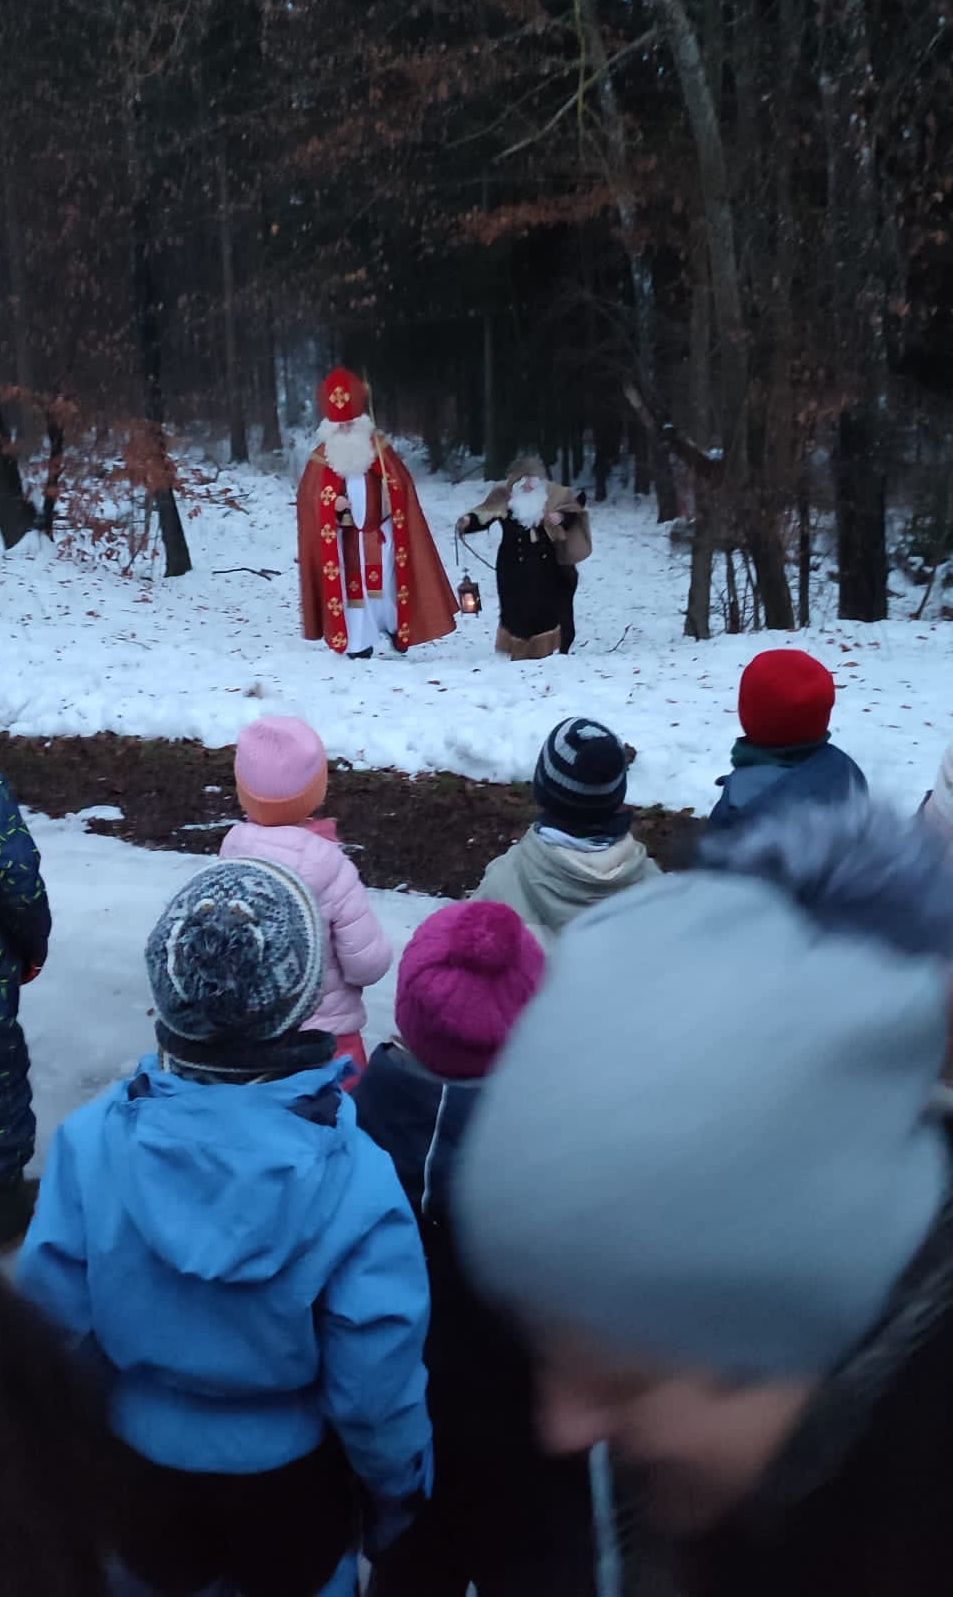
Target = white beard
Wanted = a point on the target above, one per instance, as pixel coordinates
(350, 453)
(528, 506)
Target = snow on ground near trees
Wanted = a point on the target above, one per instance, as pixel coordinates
(85, 651)
(87, 1016)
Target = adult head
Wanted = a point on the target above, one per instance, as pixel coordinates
(235, 962)
(465, 977)
(701, 1243)
(786, 698)
(581, 778)
(528, 487)
(346, 429)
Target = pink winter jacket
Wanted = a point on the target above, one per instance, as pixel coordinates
(357, 953)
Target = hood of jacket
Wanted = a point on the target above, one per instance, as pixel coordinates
(557, 884)
(228, 1183)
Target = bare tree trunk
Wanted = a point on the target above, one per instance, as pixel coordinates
(626, 203)
(804, 555)
(861, 542)
(294, 409)
(719, 224)
(17, 515)
(177, 558)
(781, 447)
(270, 425)
(698, 612)
(54, 466)
(766, 548)
(666, 492)
(767, 552)
(700, 344)
(857, 269)
(731, 582)
(641, 443)
(238, 438)
(19, 305)
(493, 464)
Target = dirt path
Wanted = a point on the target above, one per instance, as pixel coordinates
(434, 834)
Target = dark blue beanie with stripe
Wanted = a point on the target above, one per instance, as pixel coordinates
(580, 779)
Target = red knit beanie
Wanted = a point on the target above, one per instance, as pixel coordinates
(786, 697)
(466, 976)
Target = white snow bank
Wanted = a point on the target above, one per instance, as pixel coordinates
(86, 651)
(87, 1016)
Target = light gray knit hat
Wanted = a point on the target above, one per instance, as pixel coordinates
(237, 954)
(708, 1142)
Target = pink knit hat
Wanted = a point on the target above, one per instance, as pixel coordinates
(466, 975)
(281, 770)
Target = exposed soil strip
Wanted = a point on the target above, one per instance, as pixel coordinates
(432, 834)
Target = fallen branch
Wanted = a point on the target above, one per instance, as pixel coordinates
(230, 571)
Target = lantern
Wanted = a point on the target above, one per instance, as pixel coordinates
(469, 595)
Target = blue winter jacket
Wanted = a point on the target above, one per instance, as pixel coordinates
(828, 776)
(245, 1260)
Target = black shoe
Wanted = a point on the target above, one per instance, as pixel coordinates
(401, 648)
(362, 654)
(17, 1202)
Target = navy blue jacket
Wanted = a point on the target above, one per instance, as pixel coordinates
(828, 776)
(24, 933)
(481, 1383)
(417, 1120)
(24, 910)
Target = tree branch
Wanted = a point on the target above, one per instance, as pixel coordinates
(580, 91)
(649, 412)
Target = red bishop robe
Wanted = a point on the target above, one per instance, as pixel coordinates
(426, 603)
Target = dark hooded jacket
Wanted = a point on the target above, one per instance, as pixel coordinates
(860, 1504)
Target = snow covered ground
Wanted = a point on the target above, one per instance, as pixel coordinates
(87, 1017)
(85, 650)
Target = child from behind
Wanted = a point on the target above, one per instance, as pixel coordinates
(581, 849)
(243, 1264)
(504, 1515)
(785, 703)
(281, 771)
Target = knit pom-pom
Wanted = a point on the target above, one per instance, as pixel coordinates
(486, 938)
(215, 958)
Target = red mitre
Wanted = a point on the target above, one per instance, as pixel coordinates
(342, 396)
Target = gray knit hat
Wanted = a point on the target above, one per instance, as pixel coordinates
(237, 954)
(708, 1141)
